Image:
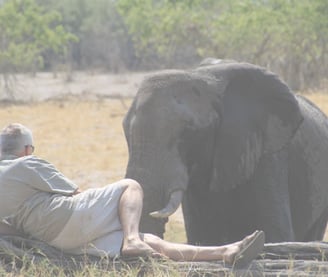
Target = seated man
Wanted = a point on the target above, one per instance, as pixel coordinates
(38, 201)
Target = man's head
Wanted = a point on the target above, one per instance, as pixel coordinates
(16, 139)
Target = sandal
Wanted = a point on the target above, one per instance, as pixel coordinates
(250, 251)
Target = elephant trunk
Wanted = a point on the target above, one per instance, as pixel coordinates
(153, 200)
(163, 191)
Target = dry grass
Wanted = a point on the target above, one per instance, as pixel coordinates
(85, 140)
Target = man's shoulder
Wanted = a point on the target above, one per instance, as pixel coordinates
(22, 167)
(32, 160)
(11, 160)
(26, 161)
(11, 166)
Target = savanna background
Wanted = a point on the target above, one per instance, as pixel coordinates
(70, 68)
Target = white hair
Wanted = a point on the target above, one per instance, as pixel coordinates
(14, 138)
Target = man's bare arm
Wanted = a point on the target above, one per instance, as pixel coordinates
(6, 229)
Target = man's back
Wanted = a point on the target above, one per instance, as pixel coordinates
(33, 196)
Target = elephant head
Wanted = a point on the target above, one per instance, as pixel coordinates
(203, 130)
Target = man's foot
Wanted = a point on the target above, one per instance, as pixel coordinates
(138, 248)
(245, 251)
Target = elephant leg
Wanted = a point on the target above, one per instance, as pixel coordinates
(205, 218)
(272, 198)
(195, 221)
(318, 229)
(188, 220)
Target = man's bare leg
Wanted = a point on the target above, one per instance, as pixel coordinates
(185, 252)
(130, 209)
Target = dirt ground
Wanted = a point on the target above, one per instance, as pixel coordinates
(45, 86)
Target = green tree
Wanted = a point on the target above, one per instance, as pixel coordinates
(103, 40)
(167, 29)
(288, 36)
(27, 30)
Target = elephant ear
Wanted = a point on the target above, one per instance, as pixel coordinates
(259, 117)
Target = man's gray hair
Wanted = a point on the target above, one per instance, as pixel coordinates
(14, 138)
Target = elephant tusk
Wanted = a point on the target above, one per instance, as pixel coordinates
(171, 207)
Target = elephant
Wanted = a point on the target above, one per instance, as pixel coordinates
(235, 147)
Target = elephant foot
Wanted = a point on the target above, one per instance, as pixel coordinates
(249, 248)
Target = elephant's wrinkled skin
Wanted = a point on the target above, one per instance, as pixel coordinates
(247, 153)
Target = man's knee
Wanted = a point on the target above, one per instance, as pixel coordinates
(131, 184)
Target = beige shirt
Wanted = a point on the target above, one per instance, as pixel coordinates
(35, 197)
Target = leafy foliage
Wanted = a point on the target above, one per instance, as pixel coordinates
(27, 30)
(288, 36)
(103, 40)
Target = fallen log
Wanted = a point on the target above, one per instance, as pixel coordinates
(277, 259)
